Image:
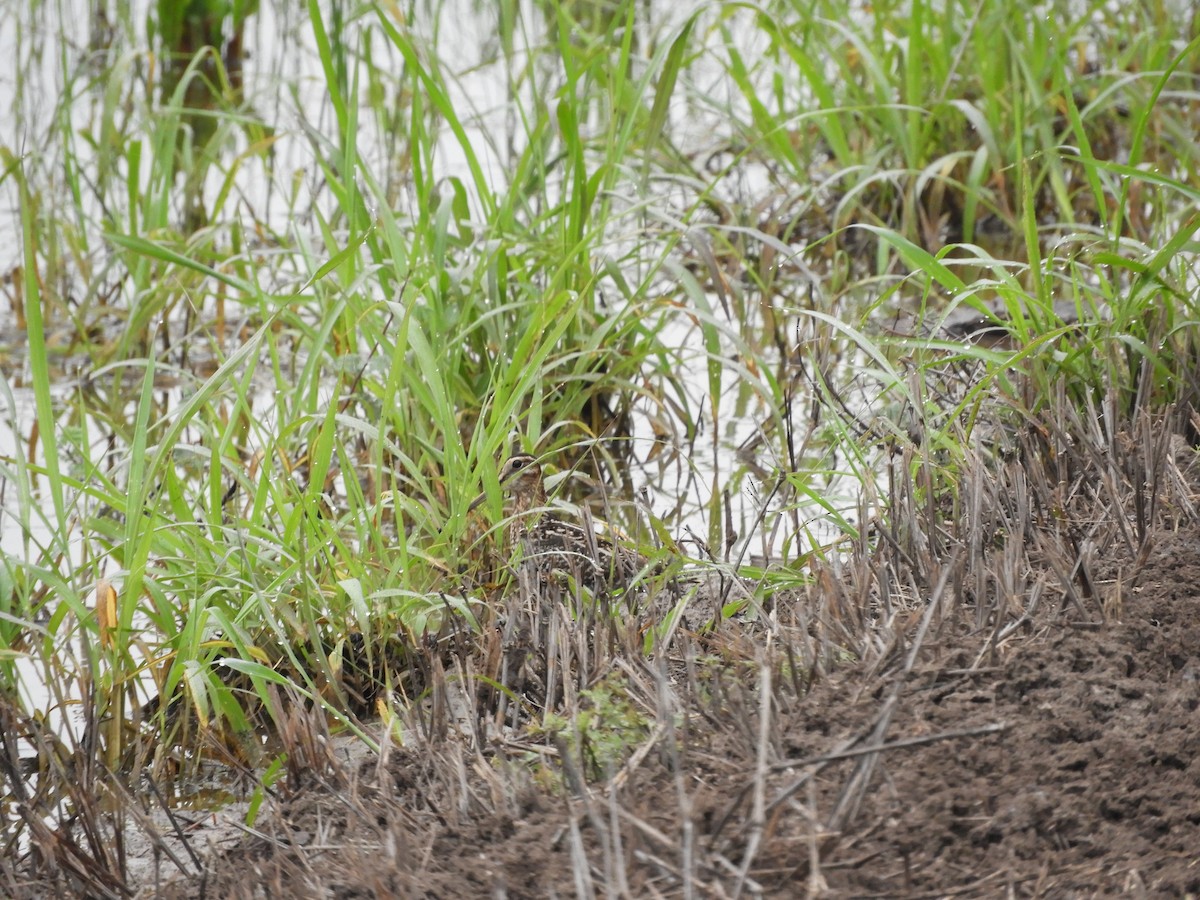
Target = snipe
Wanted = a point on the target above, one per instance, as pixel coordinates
(551, 547)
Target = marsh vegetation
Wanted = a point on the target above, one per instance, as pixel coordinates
(872, 327)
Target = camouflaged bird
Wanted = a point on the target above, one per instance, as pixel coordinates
(550, 547)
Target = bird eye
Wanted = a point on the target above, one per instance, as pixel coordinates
(518, 463)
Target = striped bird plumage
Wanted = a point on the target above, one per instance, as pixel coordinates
(550, 546)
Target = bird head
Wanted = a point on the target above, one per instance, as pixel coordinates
(520, 479)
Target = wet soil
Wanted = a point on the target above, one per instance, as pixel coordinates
(1061, 761)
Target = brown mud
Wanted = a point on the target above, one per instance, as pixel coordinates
(1062, 760)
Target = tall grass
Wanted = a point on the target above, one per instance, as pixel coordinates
(667, 238)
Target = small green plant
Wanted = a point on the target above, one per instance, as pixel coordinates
(604, 727)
